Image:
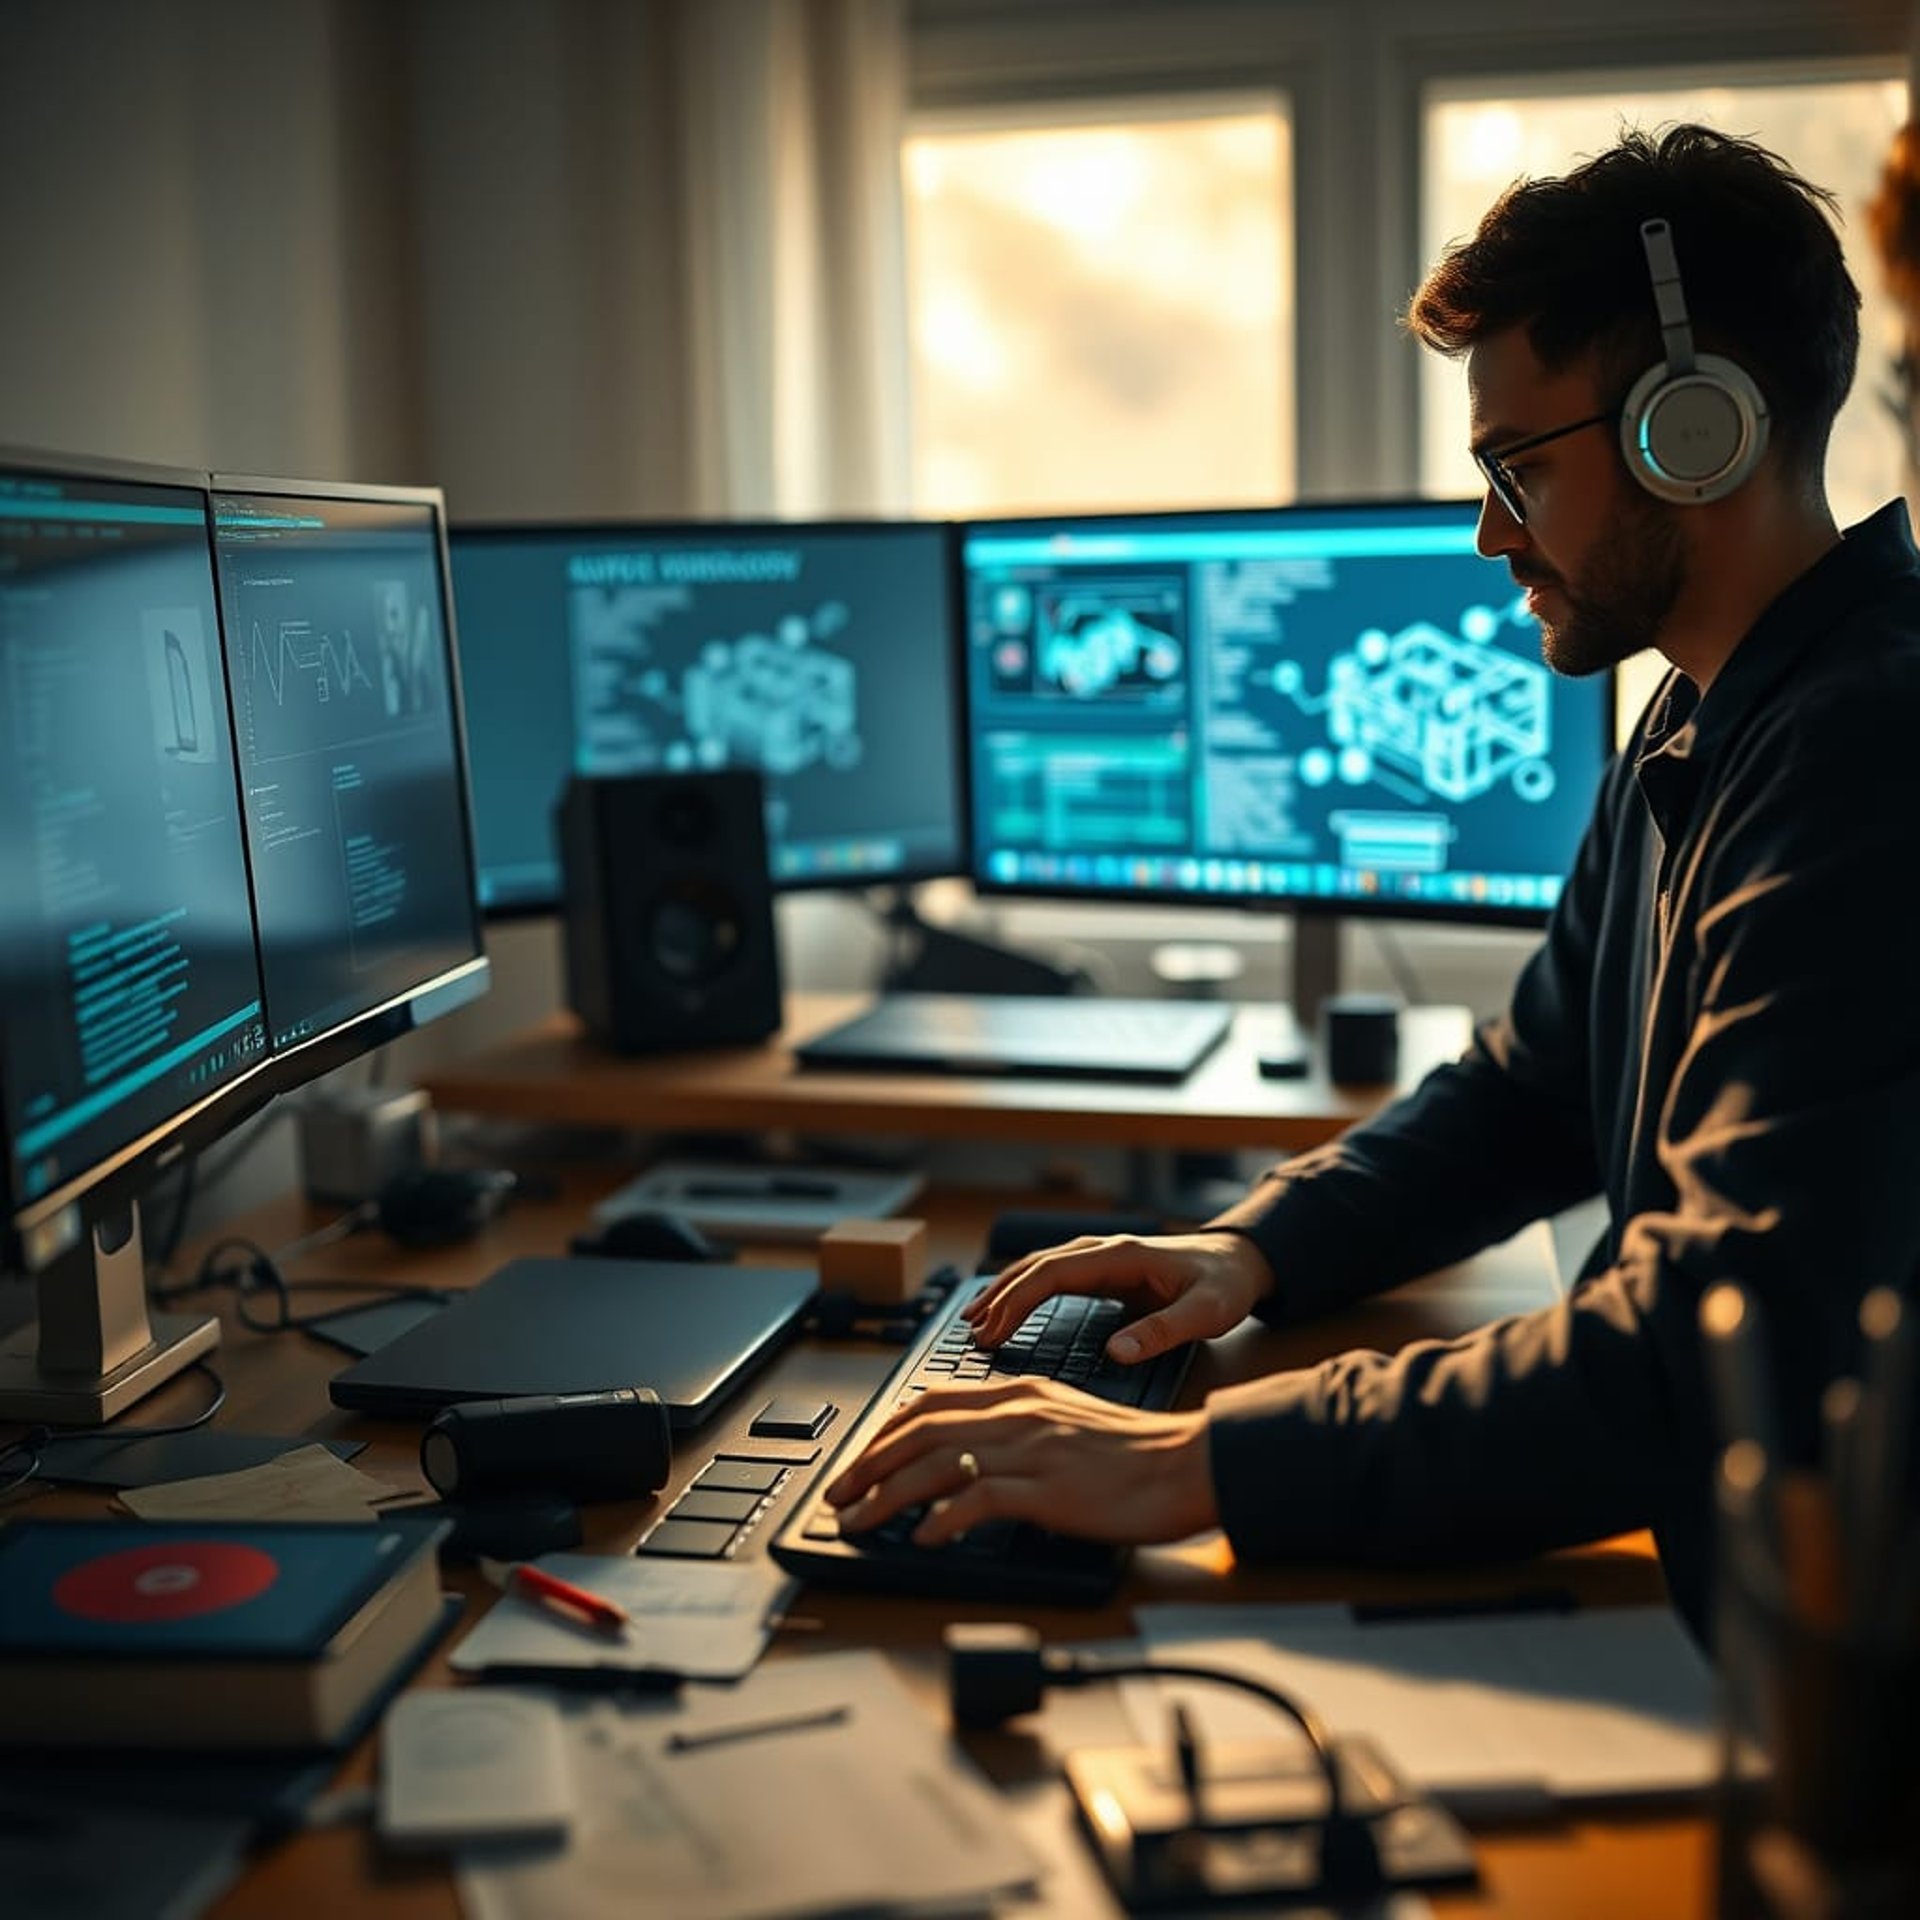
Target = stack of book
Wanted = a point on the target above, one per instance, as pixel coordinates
(205, 1636)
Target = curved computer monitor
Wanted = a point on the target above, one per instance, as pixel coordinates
(1337, 709)
(820, 653)
(222, 871)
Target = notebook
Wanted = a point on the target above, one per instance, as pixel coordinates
(691, 1331)
(1040, 1035)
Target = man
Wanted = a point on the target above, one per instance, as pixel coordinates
(1721, 1031)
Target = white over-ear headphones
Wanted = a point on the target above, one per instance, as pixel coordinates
(1694, 426)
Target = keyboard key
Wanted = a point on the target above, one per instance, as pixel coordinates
(708, 1503)
(741, 1476)
(689, 1539)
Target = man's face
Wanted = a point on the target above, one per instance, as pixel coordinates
(1602, 560)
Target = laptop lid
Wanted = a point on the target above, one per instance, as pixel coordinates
(692, 1332)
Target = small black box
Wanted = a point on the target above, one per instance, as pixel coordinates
(1362, 1039)
(669, 910)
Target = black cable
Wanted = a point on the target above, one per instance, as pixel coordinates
(258, 1272)
(37, 1440)
(997, 1671)
(1078, 1670)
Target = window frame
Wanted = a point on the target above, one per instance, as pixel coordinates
(1357, 75)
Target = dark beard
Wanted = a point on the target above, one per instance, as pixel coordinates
(1632, 578)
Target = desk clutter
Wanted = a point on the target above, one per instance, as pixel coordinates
(814, 1787)
(613, 1740)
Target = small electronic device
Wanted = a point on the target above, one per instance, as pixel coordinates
(480, 1764)
(437, 1206)
(651, 1233)
(589, 1446)
(518, 1526)
(353, 1140)
(1183, 1830)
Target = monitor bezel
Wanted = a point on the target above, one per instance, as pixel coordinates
(400, 1014)
(38, 1230)
(1316, 906)
(954, 661)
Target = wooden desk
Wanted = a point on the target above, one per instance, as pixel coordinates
(1652, 1866)
(551, 1073)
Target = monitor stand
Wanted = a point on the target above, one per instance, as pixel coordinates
(1285, 1036)
(96, 1348)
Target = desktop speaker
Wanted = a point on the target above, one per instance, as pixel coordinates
(668, 910)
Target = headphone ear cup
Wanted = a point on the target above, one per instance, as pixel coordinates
(1695, 436)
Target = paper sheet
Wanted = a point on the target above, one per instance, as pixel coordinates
(709, 1620)
(848, 1799)
(1485, 1710)
(310, 1483)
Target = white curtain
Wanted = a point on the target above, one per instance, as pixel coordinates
(792, 112)
(662, 255)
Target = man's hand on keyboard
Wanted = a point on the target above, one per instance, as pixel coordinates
(1037, 1451)
(1194, 1285)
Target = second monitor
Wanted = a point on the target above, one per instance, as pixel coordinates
(1340, 707)
(820, 654)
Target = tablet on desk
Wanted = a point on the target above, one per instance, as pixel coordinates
(693, 1333)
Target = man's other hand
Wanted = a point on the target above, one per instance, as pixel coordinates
(1033, 1450)
(1187, 1286)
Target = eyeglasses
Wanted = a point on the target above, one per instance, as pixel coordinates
(1505, 483)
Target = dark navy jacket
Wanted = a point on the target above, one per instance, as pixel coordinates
(1721, 1033)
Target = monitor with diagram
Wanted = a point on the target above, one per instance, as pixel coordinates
(1332, 707)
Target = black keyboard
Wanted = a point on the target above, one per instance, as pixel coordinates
(1063, 1339)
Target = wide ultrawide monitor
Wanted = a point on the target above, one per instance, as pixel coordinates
(1338, 706)
(820, 654)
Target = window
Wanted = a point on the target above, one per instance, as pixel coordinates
(1480, 135)
(1101, 306)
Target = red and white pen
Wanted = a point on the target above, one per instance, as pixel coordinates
(549, 1590)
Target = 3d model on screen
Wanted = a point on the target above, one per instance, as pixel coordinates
(1455, 711)
(779, 700)
(1087, 645)
(783, 704)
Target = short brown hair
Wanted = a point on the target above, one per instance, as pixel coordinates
(1766, 283)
